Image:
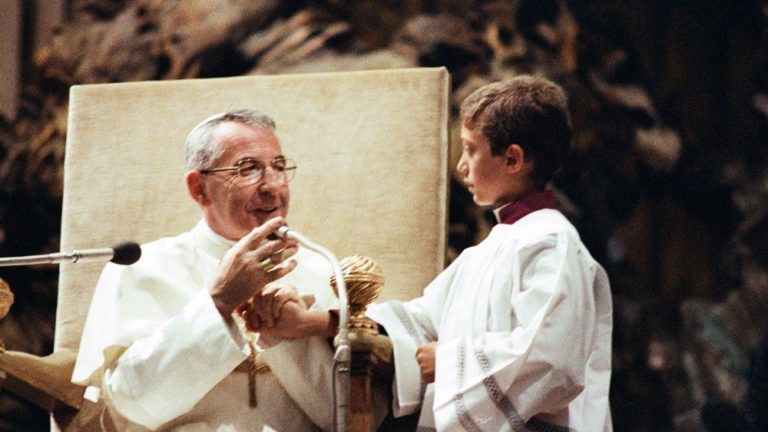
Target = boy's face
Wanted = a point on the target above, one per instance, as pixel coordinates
(484, 174)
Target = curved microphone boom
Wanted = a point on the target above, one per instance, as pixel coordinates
(124, 253)
(342, 358)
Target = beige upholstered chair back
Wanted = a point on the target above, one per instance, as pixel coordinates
(371, 149)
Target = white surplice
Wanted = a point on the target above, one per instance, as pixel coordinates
(523, 324)
(164, 357)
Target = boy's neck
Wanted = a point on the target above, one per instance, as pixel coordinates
(521, 192)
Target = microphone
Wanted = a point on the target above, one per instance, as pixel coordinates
(287, 233)
(342, 358)
(123, 253)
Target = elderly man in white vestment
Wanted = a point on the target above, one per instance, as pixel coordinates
(515, 335)
(163, 342)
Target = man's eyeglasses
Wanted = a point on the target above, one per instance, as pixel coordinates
(252, 170)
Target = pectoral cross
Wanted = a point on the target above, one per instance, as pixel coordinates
(252, 371)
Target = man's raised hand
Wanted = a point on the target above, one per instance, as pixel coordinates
(250, 265)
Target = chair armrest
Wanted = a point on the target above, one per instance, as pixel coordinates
(45, 381)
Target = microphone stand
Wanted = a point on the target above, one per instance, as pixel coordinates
(123, 253)
(342, 357)
(60, 257)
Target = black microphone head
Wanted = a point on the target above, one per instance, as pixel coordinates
(126, 253)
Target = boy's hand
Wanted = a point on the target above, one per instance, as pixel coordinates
(292, 323)
(425, 356)
(264, 308)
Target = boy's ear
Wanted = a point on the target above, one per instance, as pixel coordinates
(515, 158)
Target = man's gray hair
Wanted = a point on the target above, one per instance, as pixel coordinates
(202, 149)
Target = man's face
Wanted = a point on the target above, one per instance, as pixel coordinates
(234, 205)
(481, 172)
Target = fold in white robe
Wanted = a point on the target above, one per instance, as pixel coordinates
(523, 324)
(164, 357)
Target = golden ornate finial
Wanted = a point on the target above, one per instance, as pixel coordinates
(364, 279)
(6, 298)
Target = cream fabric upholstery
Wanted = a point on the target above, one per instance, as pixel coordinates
(371, 148)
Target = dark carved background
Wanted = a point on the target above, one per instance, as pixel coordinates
(667, 183)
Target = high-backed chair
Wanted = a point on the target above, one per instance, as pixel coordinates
(371, 149)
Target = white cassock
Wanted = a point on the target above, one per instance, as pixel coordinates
(523, 324)
(161, 352)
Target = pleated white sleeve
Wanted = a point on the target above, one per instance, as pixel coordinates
(154, 342)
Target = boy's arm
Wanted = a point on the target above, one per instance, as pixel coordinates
(410, 325)
(540, 365)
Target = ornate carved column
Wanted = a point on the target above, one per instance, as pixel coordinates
(371, 352)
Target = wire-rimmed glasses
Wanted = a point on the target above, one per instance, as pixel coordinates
(252, 170)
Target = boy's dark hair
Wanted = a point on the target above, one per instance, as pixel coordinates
(526, 110)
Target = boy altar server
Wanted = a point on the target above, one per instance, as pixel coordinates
(515, 335)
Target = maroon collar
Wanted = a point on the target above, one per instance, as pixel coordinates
(515, 210)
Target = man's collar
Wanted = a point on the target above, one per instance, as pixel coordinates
(210, 240)
(514, 211)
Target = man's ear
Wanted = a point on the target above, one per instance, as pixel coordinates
(515, 158)
(195, 187)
